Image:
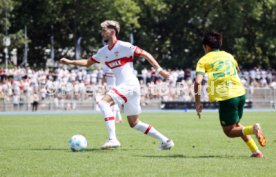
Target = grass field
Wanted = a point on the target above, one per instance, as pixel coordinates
(37, 145)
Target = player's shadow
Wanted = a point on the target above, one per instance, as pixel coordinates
(188, 157)
(38, 149)
(62, 149)
(52, 149)
(47, 149)
(87, 150)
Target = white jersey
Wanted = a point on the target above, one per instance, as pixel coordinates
(109, 77)
(119, 58)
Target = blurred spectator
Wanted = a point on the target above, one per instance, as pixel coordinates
(34, 101)
(66, 88)
(273, 84)
(15, 102)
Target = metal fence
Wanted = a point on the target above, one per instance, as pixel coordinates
(261, 98)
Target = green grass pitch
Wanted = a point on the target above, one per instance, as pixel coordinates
(37, 145)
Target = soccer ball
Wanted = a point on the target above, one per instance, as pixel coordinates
(78, 143)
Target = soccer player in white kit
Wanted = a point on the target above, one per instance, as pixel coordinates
(118, 55)
(109, 78)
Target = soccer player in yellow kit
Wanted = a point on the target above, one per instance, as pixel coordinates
(225, 87)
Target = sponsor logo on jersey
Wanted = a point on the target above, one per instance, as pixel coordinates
(119, 62)
(115, 64)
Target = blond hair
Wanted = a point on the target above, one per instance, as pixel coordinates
(111, 24)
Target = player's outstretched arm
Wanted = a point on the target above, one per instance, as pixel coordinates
(197, 92)
(82, 62)
(155, 64)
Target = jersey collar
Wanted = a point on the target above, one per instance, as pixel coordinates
(216, 50)
(113, 45)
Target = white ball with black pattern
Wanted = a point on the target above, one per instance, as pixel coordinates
(78, 143)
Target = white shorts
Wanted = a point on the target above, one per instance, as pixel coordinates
(128, 96)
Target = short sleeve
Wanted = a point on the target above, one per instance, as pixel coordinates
(200, 67)
(98, 57)
(137, 51)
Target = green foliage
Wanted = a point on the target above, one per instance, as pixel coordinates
(169, 29)
(6, 6)
(70, 19)
(6, 13)
(248, 20)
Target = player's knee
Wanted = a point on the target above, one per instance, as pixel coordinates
(228, 133)
(132, 122)
(102, 104)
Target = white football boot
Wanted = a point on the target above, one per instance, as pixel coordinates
(166, 145)
(111, 143)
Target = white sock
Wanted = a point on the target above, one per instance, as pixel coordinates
(109, 118)
(149, 130)
(118, 115)
(116, 112)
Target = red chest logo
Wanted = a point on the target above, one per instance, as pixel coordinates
(114, 64)
(119, 62)
(116, 54)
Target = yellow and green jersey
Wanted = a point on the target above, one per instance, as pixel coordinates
(223, 80)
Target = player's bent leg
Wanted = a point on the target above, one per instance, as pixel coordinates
(108, 99)
(251, 144)
(236, 130)
(255, 129)
(106, 110)
(132, 120)
(147, 129)
(245, 138)
(230, 113)
(232, 131)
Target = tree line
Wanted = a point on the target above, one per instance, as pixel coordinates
(170, 29)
